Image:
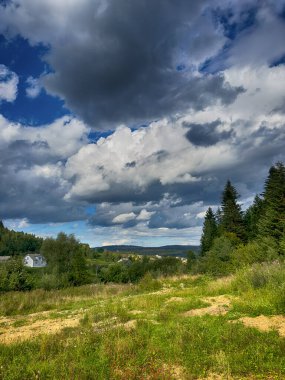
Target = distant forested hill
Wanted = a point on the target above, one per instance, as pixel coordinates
(167, 250)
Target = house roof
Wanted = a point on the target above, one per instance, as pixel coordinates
(34, 255)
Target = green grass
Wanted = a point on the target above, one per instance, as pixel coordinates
(163, 344)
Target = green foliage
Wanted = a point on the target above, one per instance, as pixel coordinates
(272, 222)
(149, 283)
(191, 259)
(263, 289)
(252, 217)
(15, 243)
(114, 273)
(254, 252)
(14, 276)
(218, 260)
(231, 219)
(66, 258)
(209, 232)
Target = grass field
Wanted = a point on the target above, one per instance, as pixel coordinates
(174, 328)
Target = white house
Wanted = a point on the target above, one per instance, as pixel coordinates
(35, 260)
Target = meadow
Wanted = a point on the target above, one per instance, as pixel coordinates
(183, 327)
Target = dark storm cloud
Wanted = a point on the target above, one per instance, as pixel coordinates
(24, 194)
(125, 193)
(31, 184)
(206, 134)
(37, 199)
(125, 69)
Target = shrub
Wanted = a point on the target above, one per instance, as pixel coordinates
(253, 252)
(148, 283)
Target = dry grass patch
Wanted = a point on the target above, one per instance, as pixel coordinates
(174, 300)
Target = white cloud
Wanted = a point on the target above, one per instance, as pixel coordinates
(64, 137)
(34, 88)
(262, 43)
(144, 215)
(8, 84)
(124, 218)
(136, 159)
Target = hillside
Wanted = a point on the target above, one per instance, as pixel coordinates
(167, 250)
(187, 327)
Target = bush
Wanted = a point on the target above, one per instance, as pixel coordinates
(253, 252)
(148, 283)
(218, 260)
(271, 275)
(14, 276)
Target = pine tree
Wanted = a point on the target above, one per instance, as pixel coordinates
(209, 231)
(252, 217)
(272, 222)
(232, 220)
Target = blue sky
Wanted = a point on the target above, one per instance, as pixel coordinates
(121, 121)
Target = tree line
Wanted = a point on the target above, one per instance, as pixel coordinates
(231, 237)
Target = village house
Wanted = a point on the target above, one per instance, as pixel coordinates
(34, 260)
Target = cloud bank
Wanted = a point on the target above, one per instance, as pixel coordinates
(192, 94)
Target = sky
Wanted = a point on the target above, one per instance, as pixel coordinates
(121, 120)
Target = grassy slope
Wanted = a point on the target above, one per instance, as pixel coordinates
(141, 332)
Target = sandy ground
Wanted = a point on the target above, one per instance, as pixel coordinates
(265, 323)
(31, 329)
(218, 306)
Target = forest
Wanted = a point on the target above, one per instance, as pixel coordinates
(231, 239)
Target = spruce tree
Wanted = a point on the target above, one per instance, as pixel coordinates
(272, 222)
(232, 220)
(252, 217)
(209, 231)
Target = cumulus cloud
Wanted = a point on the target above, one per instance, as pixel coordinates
(8, 84)
(194, 153)
(124, 218)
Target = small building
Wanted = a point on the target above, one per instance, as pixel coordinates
(35, 260)
(3, 259)
(125, 261)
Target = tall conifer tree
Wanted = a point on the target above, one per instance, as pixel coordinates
(272, 222)
(252, 217)
(209, 231)
(232, 220)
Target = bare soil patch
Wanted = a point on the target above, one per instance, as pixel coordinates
(218, 306)
(10, 334)
(173, 372)
(265, 323)
(136, 312)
